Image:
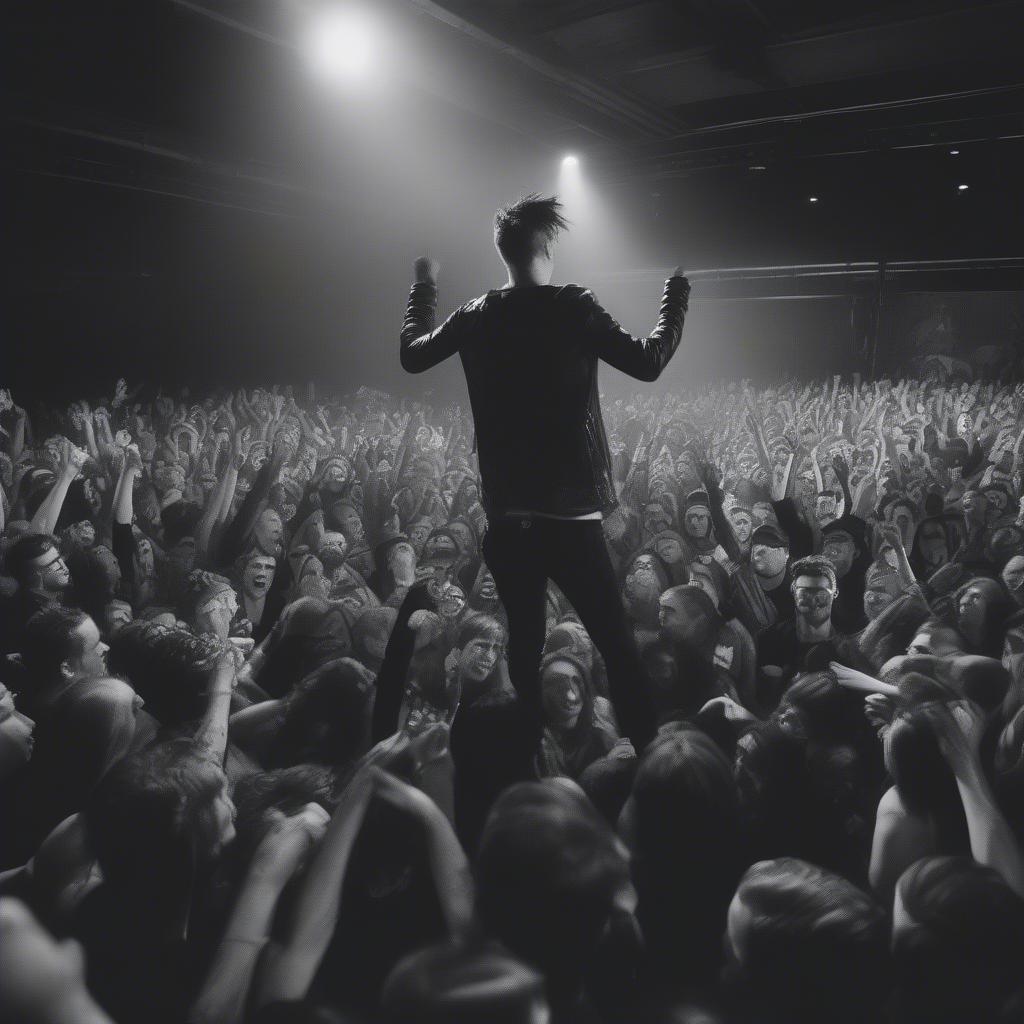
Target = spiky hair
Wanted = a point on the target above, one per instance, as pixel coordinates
(530, 224)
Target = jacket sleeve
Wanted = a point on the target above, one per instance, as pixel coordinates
(122, 543)
(642, 358)
(421, 345)
(801, 539)
(394, 671)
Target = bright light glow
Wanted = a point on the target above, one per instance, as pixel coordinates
(570, 161)
(962, 188)
(339, 45)
(812, 199)
(954, 152)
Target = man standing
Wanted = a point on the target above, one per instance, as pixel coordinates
(783, 648)
(530, 351)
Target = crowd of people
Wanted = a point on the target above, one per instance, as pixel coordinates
(258, 754)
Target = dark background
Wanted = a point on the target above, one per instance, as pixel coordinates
(184, 203)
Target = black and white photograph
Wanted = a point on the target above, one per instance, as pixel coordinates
(512, 512)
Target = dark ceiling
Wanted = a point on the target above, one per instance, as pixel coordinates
(647, 89)
(168, 140)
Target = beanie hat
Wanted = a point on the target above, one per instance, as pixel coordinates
(769, 535)
(698, 499)
(570, 655)
(571, 638)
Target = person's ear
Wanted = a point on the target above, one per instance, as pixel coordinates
(67, 670)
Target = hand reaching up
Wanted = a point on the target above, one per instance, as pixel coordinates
(426, 270)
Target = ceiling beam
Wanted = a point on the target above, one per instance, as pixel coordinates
(611, 103)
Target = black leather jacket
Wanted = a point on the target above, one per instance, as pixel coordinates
(530, 357)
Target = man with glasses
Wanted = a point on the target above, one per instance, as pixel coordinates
(783, 648)
(43, 581)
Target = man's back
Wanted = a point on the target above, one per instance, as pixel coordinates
(530, 356)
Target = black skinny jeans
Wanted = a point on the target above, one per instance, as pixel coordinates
(522, 555)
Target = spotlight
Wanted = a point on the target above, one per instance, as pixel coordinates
(570, 161)
(339, 45)
(812, 199)
(962, 188)
(954, 152)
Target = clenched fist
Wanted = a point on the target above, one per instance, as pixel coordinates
(426, 270)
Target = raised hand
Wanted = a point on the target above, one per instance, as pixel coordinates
(709, 475)
(959, 728)
(840, 467)
(132, 459)
(891, 535)
(71, 459)
(288, 842)
(241, 448)
(879, 709)
(426, 270)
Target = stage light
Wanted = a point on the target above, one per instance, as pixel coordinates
(962, 188)
(339, 45)
(570, 161)
(812, 199)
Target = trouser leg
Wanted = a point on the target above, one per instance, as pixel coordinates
(513, 555)
(581, 566)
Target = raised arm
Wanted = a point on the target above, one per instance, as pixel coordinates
(642, 358)
(710, 477)
(993, 843)
(71, 461)
(421, 345)
(223, 997)
(212, 733)
(291, 964)
(122, 541)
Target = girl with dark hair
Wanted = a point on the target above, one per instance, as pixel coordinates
(574, 738)
(682, 824)
(981, 607)
(158, 824)
(957, 933)
(167, 665)
(552, 882)
(88, 729)
(922, 814)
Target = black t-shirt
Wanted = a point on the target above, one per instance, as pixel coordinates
(780, 648)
